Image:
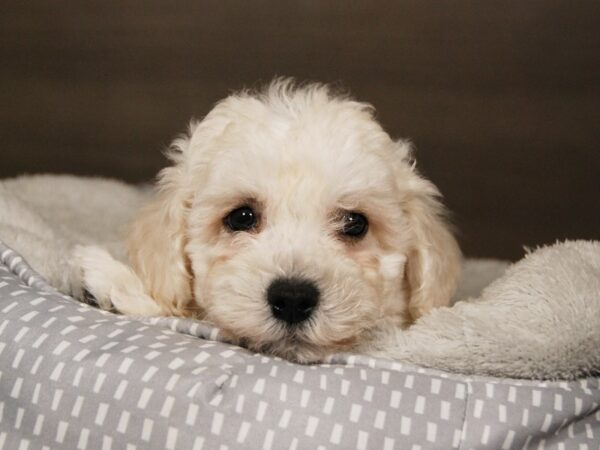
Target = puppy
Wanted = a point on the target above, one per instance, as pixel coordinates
(292, 221)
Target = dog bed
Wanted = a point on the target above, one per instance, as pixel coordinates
(72, 376)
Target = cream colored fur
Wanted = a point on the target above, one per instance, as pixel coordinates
(302, 156)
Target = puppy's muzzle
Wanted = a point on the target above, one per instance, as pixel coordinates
(292, 300)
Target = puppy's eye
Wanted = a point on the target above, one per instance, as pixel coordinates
(241, 219)
(355, 225)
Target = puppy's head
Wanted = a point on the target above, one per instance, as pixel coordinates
(295, 224)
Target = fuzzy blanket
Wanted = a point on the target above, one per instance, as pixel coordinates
(541, 319)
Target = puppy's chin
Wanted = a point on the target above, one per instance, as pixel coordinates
(294, 349)
(291, 343)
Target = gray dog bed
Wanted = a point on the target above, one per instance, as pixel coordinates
(72, 376)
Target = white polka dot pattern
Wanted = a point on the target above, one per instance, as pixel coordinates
(72, 376)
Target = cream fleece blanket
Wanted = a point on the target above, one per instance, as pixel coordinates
(540, 319)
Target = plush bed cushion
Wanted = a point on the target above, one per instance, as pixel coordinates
(72, 376)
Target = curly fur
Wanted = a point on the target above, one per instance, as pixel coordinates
(300, 155)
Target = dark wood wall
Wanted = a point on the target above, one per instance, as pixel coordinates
(502, 98)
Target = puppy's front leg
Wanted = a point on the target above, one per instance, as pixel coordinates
(112, 283)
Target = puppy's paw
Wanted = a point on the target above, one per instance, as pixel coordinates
(112, 283)
(93, 266)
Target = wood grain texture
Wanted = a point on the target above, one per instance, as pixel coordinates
(501, 98)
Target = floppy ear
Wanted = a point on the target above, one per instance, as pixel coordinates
(157, 238)
(434, 259)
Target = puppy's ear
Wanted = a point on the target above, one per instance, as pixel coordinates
(157, 238)
(434, 259)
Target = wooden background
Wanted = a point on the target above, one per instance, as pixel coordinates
(502, 98)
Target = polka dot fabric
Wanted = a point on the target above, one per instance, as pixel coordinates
(72, 376)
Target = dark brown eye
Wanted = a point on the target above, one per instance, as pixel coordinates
(241, 219)
(355, 225)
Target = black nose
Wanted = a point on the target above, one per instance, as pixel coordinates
(292, 300)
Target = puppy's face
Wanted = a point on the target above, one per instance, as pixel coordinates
(298, 232)
(295, 238)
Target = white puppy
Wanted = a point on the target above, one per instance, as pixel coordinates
(291, 220)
